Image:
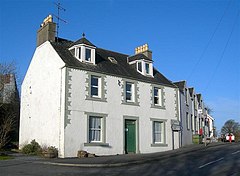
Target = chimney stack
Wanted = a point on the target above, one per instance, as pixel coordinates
(144, 50)
(47, 31)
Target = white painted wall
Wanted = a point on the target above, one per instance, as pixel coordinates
(76, 131)
(53, 106)
(186, 135)
(40, 98)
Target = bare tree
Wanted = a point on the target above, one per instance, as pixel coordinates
(209, 110)
(7, 126)
(9, 104)
(231, 126)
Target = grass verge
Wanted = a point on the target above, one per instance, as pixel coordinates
(5, 157)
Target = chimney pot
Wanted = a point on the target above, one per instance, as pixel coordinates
(47, 31)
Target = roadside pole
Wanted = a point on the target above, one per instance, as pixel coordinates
(205, 139)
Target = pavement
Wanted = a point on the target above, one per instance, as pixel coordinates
(115, 160)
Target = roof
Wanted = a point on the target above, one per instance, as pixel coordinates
(199, 97)
(191, 91)
(105, 66)
(83, 40)
(138, 57)
(181, 85)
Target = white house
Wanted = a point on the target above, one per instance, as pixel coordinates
(76, 96)
(187, 115)
(194, 117)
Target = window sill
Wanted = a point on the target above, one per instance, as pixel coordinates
(158, 107)
(101, 144)
(130, 103)
(159, 145)
(96, 99)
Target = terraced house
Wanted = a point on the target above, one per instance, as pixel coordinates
(195, 120)
(77, 96)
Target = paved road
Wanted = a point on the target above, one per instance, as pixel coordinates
(220, 160)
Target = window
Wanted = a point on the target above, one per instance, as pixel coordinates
(186, 96)
(195, 123)
(187, 121)
(139, 66)
(192, 122)
(129, 92)
(147, 68)
(95, 86)
(79, 52)
(95, 129)
(158, 132)
(157, 96)
(88, 55)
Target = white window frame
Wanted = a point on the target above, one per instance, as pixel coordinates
(132, 91)
(80, 53)
(100, 130)
(140, 62)
(102, 141)
(85, 57)
(147, 72)
(158, 96)
(161, 132)
(161, 143)
(99, 87)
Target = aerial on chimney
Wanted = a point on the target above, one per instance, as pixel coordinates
(47, 31)
(144, 50)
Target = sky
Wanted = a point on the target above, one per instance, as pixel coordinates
(193, 40)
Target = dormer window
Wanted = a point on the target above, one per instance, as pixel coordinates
(83, 50)
(142, 60)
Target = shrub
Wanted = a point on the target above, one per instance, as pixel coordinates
(32, 149)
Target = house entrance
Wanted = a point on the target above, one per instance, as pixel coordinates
(130, 136)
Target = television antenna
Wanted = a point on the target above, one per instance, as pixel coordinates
(59, 8)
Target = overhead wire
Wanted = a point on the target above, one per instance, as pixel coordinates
(224, 50)
(209, 41)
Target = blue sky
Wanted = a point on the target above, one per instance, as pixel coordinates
(197, 40)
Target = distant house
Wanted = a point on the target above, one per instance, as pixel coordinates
(187, 115)
(8, 89)
(194, 117)
(77, 96)
(9, 104)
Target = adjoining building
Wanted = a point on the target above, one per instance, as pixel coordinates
(195, 120)
(77, 96)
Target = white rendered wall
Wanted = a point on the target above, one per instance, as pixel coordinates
(186, 135)
(40, 98)
(76, 129)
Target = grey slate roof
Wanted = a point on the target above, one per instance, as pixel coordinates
(181, 85)
(138, 57)
(82, 41)
(104, 66)
(191, 91)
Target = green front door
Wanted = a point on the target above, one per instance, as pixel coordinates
(130, 136)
